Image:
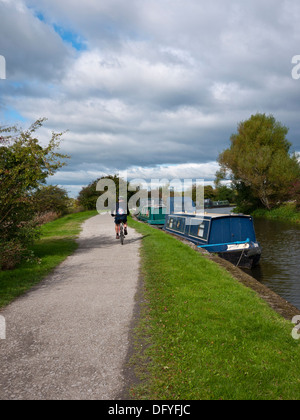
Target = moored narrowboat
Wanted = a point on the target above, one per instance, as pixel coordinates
(230, 236)
(209, 204)
(153, 214)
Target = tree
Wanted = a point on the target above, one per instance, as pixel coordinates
(51, 199)
(224, 193)
(24, 166)
(259, 158)
(89, 195)
(209, 192)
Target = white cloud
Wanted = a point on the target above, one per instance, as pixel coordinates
(72, 181)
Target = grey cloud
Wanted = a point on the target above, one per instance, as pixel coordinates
(33, 50)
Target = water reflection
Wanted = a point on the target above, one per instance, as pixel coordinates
(279, 266)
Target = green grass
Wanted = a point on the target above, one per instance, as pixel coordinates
(55, 245)
(203, 335)
(286, 213)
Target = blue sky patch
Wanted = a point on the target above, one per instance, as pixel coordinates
(40, 16)
(70, 37)
(66, 35)
(12, 116)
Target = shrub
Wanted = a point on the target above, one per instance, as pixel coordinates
(42, 218)
(51, 199)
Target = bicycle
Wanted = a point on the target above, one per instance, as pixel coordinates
(122, 236)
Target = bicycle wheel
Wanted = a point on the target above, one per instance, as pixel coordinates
(122, 235)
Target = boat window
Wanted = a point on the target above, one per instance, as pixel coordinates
(201, 231)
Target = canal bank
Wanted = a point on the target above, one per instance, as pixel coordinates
(201, 334)
(274, 300)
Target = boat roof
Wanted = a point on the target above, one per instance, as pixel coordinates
(211, 215)
(222, 214)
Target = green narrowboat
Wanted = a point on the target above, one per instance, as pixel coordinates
(153, 214)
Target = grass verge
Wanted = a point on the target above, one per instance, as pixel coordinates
(55, 245)
(286, 213)
(204, 336)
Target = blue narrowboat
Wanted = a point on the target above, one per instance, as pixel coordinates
(230, 236)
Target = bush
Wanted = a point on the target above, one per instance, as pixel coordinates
(287, 212)
(42, 218)
(11, 254)
(15, 243)
(51, 199)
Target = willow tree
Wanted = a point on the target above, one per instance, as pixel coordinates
(24, 165)
(260, 160)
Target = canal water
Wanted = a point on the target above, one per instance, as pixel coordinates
(279, 265)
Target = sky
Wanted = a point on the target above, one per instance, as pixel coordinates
(147, 88)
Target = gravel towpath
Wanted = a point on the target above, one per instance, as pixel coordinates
(68, 338)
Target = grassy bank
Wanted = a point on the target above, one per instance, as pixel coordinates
(286, 213)
(203, 335)
(56, 244)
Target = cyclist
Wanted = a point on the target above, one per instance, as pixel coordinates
(120, 212)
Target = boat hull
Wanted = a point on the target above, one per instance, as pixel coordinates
(240, 259)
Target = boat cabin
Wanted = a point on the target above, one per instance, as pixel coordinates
(153, 214)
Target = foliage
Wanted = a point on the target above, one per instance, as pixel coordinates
(295, 193)
(42, 218)
(259, 158)
(24, 166)
(209, 192)
(245, 201)
(224, 193)
(89, 195)
(51, 199)
(286, 213)
(220, 193)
